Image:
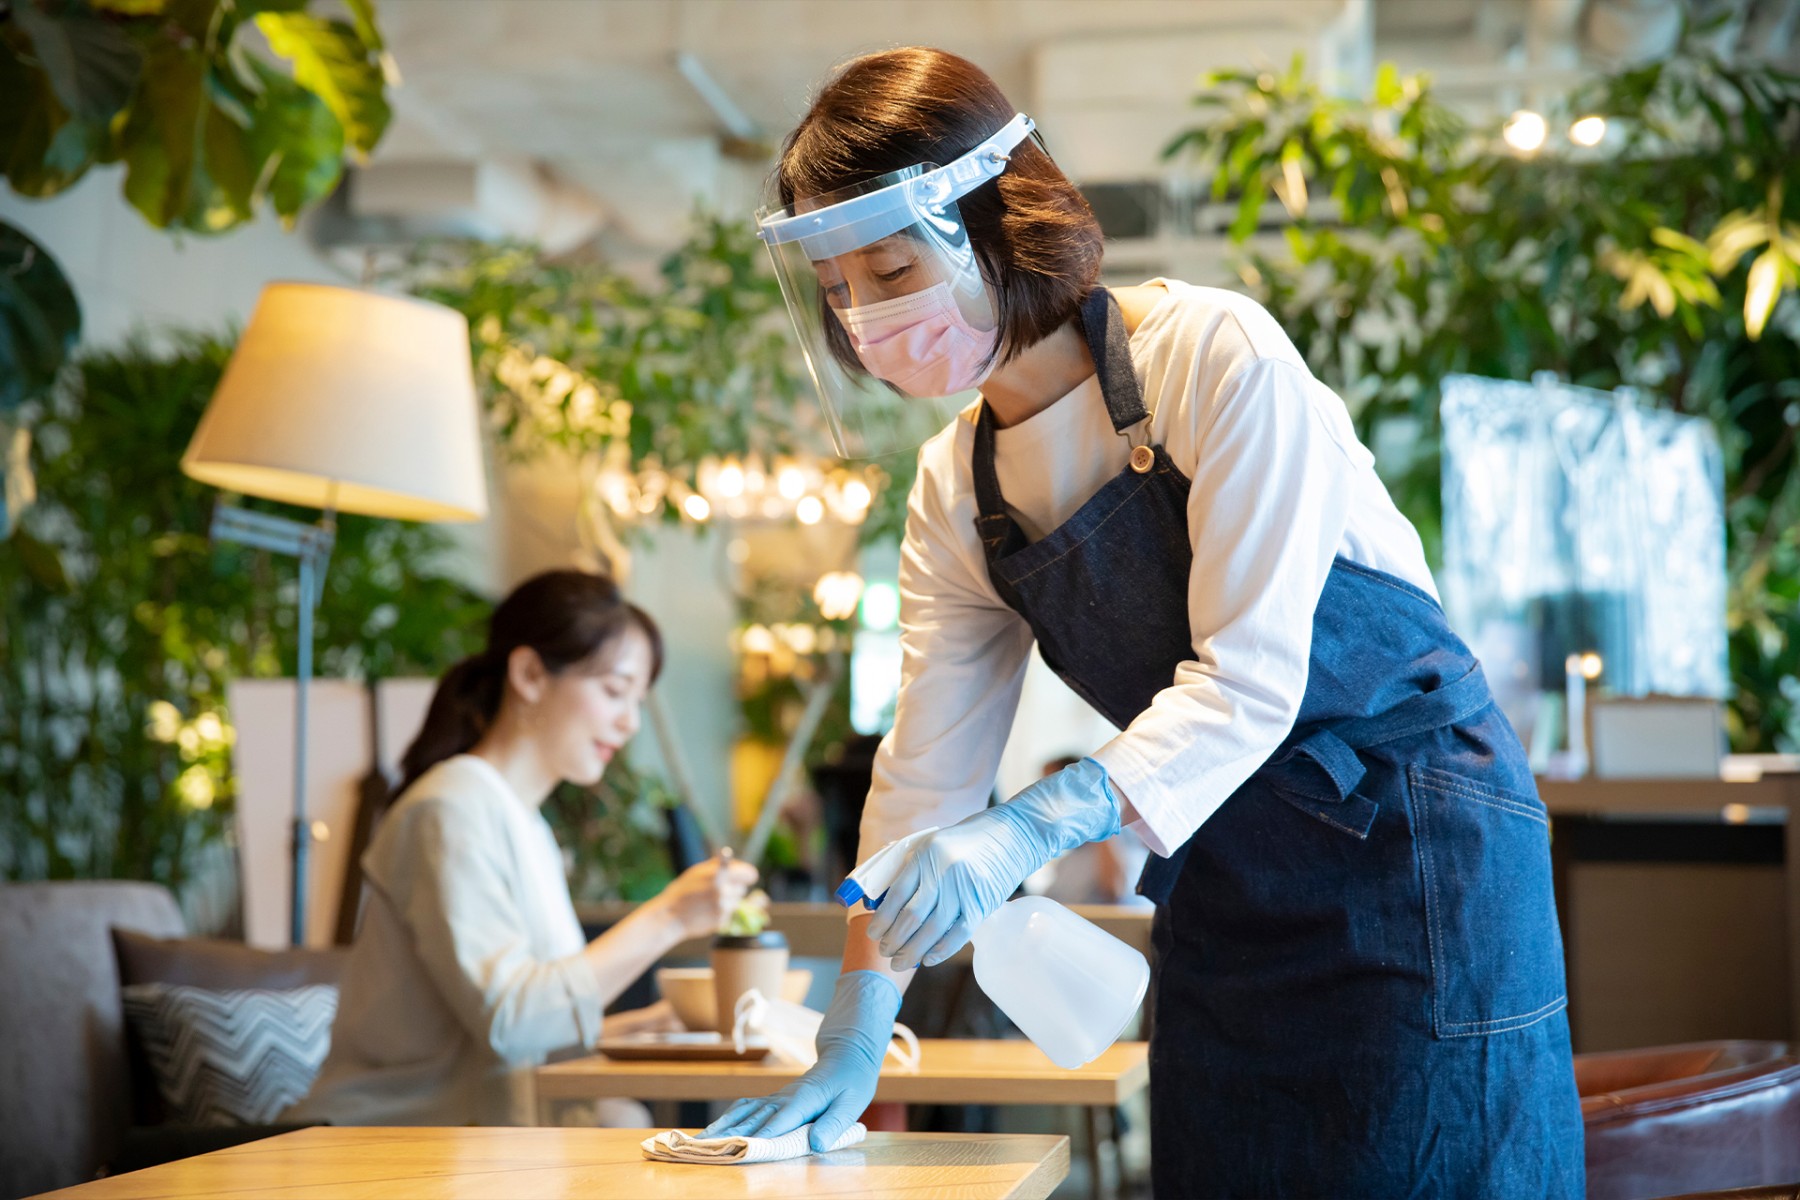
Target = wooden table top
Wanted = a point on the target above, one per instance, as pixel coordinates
(951, 1071)
(479, 1164)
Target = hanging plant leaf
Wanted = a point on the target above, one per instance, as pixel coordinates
(91, 64)
(39, 319)
(297, 142)
(163, 136)
(189, 164)
(42, 150)
(333, 63)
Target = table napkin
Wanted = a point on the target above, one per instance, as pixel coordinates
(676, 1146)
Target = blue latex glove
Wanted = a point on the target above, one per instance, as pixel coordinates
(957, 877)
(853, 1039)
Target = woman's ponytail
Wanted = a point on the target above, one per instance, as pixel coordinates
(463, 706)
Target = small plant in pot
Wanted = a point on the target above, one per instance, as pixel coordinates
(746, 954)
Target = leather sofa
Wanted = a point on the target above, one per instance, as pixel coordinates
(1701, 1117)
(73, 1101)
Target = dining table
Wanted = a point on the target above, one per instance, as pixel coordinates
(471, 1163)
(1000, 1071)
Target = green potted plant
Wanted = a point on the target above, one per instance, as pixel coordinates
(1664, 257)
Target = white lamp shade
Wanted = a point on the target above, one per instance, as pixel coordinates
(346, 399)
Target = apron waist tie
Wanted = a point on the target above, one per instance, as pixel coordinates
(1318, 772)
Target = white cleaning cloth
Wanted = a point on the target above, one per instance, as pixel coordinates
(676, 1146)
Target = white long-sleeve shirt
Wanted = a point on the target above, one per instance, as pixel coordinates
(1281, 485)
(467, 968)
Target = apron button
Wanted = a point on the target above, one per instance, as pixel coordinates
(1142, 459)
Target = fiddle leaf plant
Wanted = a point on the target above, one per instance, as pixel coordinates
(208, 129)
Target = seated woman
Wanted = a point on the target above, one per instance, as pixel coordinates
(469, 966)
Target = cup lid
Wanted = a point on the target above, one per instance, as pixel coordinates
(768, 939)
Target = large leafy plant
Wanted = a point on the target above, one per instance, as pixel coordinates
(581, 358)
(1665, 258)
(208, 128)
(120, 624)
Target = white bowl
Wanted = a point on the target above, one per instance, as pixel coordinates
(689, 991)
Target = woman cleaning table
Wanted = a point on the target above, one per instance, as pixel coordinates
(1360, 986)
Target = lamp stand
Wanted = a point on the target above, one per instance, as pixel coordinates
(311, 545)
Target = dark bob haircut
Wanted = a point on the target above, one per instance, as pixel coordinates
(1034, 235)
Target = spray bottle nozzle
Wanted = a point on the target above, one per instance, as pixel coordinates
(873, 876)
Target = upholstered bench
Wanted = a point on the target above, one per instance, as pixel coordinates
(74, 1094)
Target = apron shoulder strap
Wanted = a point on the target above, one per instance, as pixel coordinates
(1103, 325)
(1110, 345)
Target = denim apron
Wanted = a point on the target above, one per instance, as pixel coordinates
(1359, 986)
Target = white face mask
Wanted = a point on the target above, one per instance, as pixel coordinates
(792, 1029)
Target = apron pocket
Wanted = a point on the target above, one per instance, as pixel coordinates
(1490, 912)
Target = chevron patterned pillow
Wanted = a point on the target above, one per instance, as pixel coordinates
(231, 1058)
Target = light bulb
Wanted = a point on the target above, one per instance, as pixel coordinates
(696, 507)
(1588, 131)
(836, 594)
(810, 510)
(731, 479)
(1525, 131)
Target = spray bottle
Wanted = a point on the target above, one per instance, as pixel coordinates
(1070, 986)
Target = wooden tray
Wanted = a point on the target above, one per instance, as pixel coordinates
(682, 1047)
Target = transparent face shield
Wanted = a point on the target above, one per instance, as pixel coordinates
(895, 321)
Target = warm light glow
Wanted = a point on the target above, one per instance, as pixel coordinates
(758, 640)
(1525, 131)
(857, 494)
(790, 481)
(1588, 131)
(1736, 814)
(731, 479)
(810, 510)
(738, 550)
(696, 507)
(1591, 665)
(837, 593)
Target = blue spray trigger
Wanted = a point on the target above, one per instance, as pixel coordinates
(877, 872)
(850, 893)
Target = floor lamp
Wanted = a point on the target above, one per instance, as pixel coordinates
(344, 401)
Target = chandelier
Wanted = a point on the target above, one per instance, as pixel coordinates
(738, 488)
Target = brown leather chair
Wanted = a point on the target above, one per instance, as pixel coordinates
(1695, 1118)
